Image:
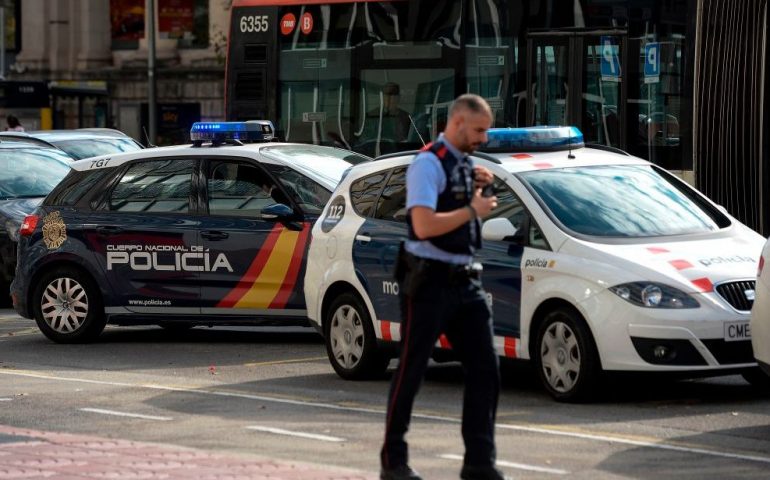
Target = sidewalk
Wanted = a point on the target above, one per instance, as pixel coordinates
(31, 454)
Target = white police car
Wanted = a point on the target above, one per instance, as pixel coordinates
(214, 233)
(594, 260)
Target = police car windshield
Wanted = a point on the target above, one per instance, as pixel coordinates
(629, 201)
(32, 172)
(93, 147)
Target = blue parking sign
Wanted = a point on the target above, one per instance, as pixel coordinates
(610, 60)
(652, 59)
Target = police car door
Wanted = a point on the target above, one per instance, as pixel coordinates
(146, 230)
(502, 261)
(251, 234)
(377, 242)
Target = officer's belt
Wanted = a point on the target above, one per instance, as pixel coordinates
(453, 271)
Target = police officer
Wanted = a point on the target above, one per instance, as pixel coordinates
(441, 290)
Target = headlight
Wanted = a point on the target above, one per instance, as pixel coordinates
(13, 230)
(654, 295)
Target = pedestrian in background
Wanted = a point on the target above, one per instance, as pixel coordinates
(13, 124)
(441, 290)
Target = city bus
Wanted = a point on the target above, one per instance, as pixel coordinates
(378, 76)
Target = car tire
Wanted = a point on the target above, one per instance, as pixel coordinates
(565, 356)
(758, 379)
(67, 306)
(350, 341)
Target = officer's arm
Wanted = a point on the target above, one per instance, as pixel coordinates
(427, 223)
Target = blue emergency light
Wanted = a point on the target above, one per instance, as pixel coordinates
(223, 132)
(532, 139)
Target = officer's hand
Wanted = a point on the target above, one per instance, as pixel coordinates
(483, 205)
(482, 176)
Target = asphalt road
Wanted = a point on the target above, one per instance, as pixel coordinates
(270, 393)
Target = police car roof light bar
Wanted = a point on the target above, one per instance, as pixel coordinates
(533, 139)
(235, 133)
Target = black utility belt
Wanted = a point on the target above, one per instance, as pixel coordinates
(437, 267)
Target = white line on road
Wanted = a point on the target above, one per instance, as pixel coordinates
(617, 439)
(280, 431)
(124, 414)
(520, 466)
(5, 399)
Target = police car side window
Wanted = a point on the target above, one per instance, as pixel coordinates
(240, 189)
(364, 192)
(308, 194)
(154, 186)
(392, 203)
(509, 206)
(75, 186)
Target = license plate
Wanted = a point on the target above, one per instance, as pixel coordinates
(735, 331)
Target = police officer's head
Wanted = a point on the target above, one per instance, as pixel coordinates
(469, 119)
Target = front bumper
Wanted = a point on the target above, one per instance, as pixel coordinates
(631, 338)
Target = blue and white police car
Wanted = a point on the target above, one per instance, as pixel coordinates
(594, 261)
(214, 233)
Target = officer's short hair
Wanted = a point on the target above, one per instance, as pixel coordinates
(471, 102)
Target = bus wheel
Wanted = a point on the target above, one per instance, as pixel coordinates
(350, 341)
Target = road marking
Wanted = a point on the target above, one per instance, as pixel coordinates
(5, 399)
(520, 466)
(637, 443)
(280, 431)
(124, 414)
(279, 362)
(599, 437)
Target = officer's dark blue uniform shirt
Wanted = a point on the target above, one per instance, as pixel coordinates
(425, 180)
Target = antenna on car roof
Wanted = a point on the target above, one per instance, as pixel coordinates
(149, 143)
(569, 143)
(416, 130)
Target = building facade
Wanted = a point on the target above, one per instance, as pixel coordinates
(93, 55)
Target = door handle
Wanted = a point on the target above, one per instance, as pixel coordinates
(108, 229)
(363, 238)
(214, 235)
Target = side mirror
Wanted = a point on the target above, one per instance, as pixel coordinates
(277, 211)
(498, 229)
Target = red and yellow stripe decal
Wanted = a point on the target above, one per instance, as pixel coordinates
(271, 277)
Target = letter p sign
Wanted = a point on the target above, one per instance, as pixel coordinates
(652, 59)
(610, 61)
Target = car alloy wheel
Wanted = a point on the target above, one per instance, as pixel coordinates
(67, 306)
(560, 357)
(64, 305)
(350, 341)
(346, 334)
(566, 357)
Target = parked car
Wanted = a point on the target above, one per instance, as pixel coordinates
(213, 233)
(27, 173)
(81, 143)
(594, 261)
(760, 315)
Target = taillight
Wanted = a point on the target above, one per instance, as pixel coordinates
(28, 225)
(761, 265)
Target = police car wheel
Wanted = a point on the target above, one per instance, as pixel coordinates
(67, 306)
(566, 356)
(350, 341)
